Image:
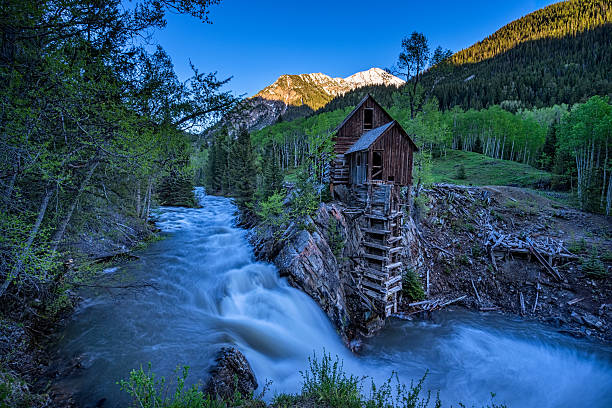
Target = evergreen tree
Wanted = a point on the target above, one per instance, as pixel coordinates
(549, 149)
(217, 178)
(242, 172)
(272, 176)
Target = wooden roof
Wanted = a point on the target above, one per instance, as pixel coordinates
(368, 138)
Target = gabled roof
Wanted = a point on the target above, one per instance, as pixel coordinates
(350, 115)
(369, 137)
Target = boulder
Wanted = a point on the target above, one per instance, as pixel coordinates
(232, 373)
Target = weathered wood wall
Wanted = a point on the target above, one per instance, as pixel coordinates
(397, 156)
(352, 130)
(349, 133)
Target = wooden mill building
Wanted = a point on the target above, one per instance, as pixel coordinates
(373, 161)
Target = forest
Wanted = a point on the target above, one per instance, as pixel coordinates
(94, 123)
(555, 139)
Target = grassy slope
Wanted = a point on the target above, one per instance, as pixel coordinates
(483, 170)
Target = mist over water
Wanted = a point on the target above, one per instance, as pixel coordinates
(210, 292)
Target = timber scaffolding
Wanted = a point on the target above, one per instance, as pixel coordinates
(379, 279)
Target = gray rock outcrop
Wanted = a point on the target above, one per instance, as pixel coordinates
(232, 374)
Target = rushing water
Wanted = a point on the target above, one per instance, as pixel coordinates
(210, 292)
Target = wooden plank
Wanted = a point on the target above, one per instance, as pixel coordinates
(376, 257)
(372, 274)
(377, 246)
(394, 265)
(376, 231)
(394, 280)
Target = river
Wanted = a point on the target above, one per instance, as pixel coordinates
(210, 292)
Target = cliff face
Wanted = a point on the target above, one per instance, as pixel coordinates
(305, 256)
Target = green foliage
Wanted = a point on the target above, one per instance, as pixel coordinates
(272, 176)
(577, 246)
(584, 152)
(336, 240)
(92, 126)
(411, 286)
(176, 189)
(242, 172)
(593, 267)
(484, 170)
(148, 391)
(271, 212)
(545, 47)
(231, 168)
(15, 393)
(326, 382)
(305, 201)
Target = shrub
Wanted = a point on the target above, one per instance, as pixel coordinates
(593, 267)
(461, 172)
(477, 251)
(327, 385)
(577, 246)
(326, 382)
(336, 241)
(148, 391)
(411, 286)
(271, 211)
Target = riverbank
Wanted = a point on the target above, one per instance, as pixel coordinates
(469, 244)
(29, 328)
(515, 251)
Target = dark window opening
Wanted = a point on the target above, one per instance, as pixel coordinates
(359, 159)
(377, 165)
(368, 118)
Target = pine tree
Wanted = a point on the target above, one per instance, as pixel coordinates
(272, 177)
(242, 172)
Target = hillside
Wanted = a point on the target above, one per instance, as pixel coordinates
(559, 54)
(481, 170)
(560, 20)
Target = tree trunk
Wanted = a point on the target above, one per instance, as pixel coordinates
(138, 199)
(59, 233)
(32, 236)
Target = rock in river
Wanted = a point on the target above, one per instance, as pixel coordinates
(231, 373)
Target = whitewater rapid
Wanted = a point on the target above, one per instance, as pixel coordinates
(209, 291)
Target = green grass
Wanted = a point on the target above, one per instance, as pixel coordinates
(481, 170)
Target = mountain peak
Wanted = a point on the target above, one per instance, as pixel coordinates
(316, 89)
(374, 76)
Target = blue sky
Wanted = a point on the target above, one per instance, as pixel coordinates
(256, 41)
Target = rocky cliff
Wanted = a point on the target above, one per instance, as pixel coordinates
(466, 244)
(319, 256)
